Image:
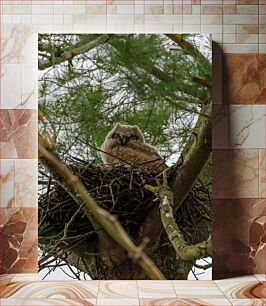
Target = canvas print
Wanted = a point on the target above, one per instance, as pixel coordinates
(124, 156)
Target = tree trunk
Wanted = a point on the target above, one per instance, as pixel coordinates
(104, 267)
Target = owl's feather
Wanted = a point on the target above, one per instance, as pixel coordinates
(125, 144)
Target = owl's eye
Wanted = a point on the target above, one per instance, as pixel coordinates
(134, 137)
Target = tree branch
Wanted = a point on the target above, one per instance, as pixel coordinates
(104, 218)
(187, 169)
(183, 250)
(193, 158)
(60, 57)
(187, 46)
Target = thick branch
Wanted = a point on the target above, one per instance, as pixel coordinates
(193, 158)
(183, 250)
(70, 54)
(104, 218)
(192, 161)
(187, 46)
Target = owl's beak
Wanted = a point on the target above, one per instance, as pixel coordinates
(124, 140)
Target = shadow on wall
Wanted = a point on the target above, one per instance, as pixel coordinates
(239, 213)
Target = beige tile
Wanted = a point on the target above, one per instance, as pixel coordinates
(260, 277)
(120, 19)
(43, 20)
(229, 29)
(7, 183)
(211, 9)
(187, 10)
(96, 9)
(211, 19)
(247, 9)
(11, 87)
(229, 38)
(184, 302)
(48, 302)
(26, 184)
(23, 277)
(242, 290)
(240, 48)
(247, 38)
(117, 302)
(197, 289)
(51, 290)
(247, 126)
(240, 19)
(229, 9)
(163, 20)
(153, 9)
(248, 302)
(118, 290)
(247, 29)
(44, 9)
(155, 289)
(29, 84)
(191, 19)
(21, 9)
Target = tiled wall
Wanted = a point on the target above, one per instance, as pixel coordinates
(238, 29)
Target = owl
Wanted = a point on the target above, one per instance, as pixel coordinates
(125, 145)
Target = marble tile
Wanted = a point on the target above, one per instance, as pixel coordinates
(212, 9)
(247, 126)
(247, 1)
(117, 302)
(18, 43)
(220, 127)
(26, 277)
(242, 290)
(184, 302)
(240, 49)
(154, 289)
(18, 233)
(261, 277)
(197, 289)
(248, 29)
(262, 174)
(235, 173)
(48, 302)
(18, 134)
(29, 81)
(243, 78)
(238, 235)
(26, 183)
(7, 183)
(248, 302)
(11, 85)
(4, 280)
(51, 290)
(118, 290)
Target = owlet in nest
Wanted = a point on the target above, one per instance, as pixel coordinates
(125, 145)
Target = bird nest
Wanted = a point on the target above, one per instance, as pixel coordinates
(120, 190)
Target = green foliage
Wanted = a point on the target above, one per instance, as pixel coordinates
(143, 79)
